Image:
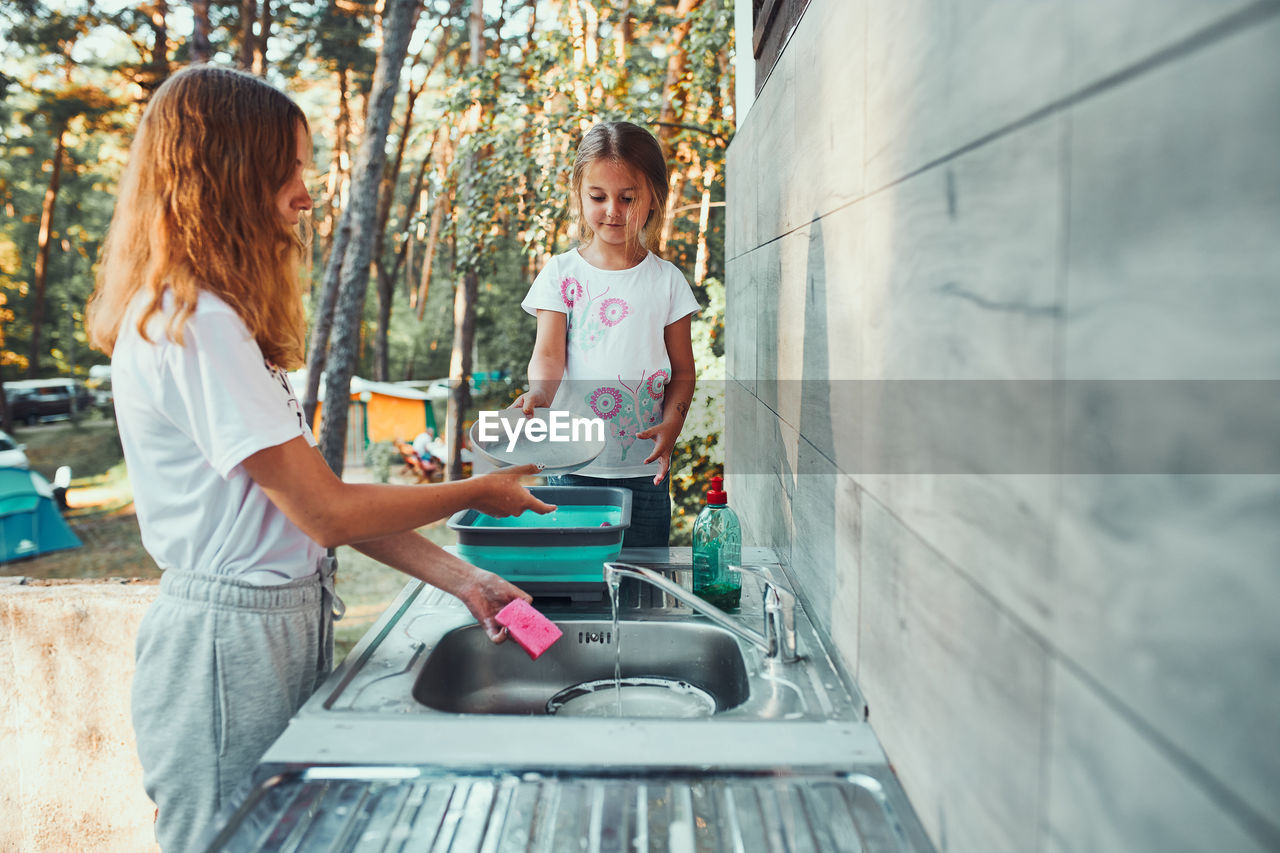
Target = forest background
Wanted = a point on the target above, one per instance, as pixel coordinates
(444, 133)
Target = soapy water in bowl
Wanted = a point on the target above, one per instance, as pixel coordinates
(567, 516)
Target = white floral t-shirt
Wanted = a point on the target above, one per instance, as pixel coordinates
(616, 362)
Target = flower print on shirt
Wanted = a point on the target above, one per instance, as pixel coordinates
(629, 410)
(606, 402)
(590, 317)
(656, 384)
(570, 291)
(614, 311)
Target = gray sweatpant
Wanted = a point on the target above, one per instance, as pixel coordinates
(222, 665)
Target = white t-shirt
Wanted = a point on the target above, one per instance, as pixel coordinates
(616, 362)
(188, 416)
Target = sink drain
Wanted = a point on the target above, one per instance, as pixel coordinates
(642, 696)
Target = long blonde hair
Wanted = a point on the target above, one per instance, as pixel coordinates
(627, 145)
(196, 210)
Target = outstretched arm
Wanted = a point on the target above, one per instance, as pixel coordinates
(484, 593)
(676, 396)
(297, 480)
(546, 365)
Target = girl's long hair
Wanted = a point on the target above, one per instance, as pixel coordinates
(636, 148)
(196, 210)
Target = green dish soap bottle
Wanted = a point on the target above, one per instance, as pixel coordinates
(717, 545)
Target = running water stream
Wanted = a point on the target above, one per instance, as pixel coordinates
(614, 582)
(645, 695)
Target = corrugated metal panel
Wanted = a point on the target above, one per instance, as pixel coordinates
(320, 810)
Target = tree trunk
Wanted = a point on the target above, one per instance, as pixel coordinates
(578, 37)
(397, 28)
(622, 43)
(404, 254)
(429, 256)
(40, 276)
(322, 322)
(158, 65)
(704, 218)
(464, 335)
(384, 278)
(248, 43)
(591, 42)
(381, 358)
(439, 208)
(416, 204)
(678, 180)
(676, 57)
(260, 45)
(332, 202)
(201, 50)
(464, 303)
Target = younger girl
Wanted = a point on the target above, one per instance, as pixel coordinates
(613, 325)
(198, 304)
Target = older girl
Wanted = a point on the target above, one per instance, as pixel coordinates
(198, 303)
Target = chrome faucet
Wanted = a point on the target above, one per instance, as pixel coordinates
(779, 638)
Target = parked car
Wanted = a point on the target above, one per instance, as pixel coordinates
(12, 454)
(99, 383)
(31, 401)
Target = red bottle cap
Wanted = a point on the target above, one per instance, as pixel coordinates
(716, 495)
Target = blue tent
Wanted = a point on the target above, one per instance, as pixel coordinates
(30, 523)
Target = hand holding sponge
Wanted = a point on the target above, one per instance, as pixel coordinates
(534, 632)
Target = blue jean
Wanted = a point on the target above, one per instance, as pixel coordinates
(650, 507)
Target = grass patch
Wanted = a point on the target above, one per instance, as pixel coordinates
(112, 549)
(91, 447)
(112, 542)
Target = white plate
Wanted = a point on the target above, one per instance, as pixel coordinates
(556, 457)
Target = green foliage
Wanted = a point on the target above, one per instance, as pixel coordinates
(77, 64)
(379, 458)
(48, 94)
(699, 452)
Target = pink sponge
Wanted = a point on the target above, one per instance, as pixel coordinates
(534, 632)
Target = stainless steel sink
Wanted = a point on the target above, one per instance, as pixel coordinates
(426, 714)
(467, 673)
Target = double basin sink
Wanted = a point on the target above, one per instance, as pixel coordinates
(427, 656)
(467, 674)
(427, 727)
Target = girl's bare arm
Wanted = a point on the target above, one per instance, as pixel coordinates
(297, 480)
(484, 593)
(677, 395)
(546, 365)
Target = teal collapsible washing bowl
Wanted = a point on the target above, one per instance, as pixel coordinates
(570, 545)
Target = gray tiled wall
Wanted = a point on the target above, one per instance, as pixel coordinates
(1055, 657)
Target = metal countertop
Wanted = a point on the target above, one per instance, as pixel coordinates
(365, 767)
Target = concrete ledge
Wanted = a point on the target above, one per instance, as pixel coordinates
(69, 773)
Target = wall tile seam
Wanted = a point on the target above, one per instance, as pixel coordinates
(1235, 23)
(1231, 25)
(1035, 636)
(1133, 721)
(1258, 825)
